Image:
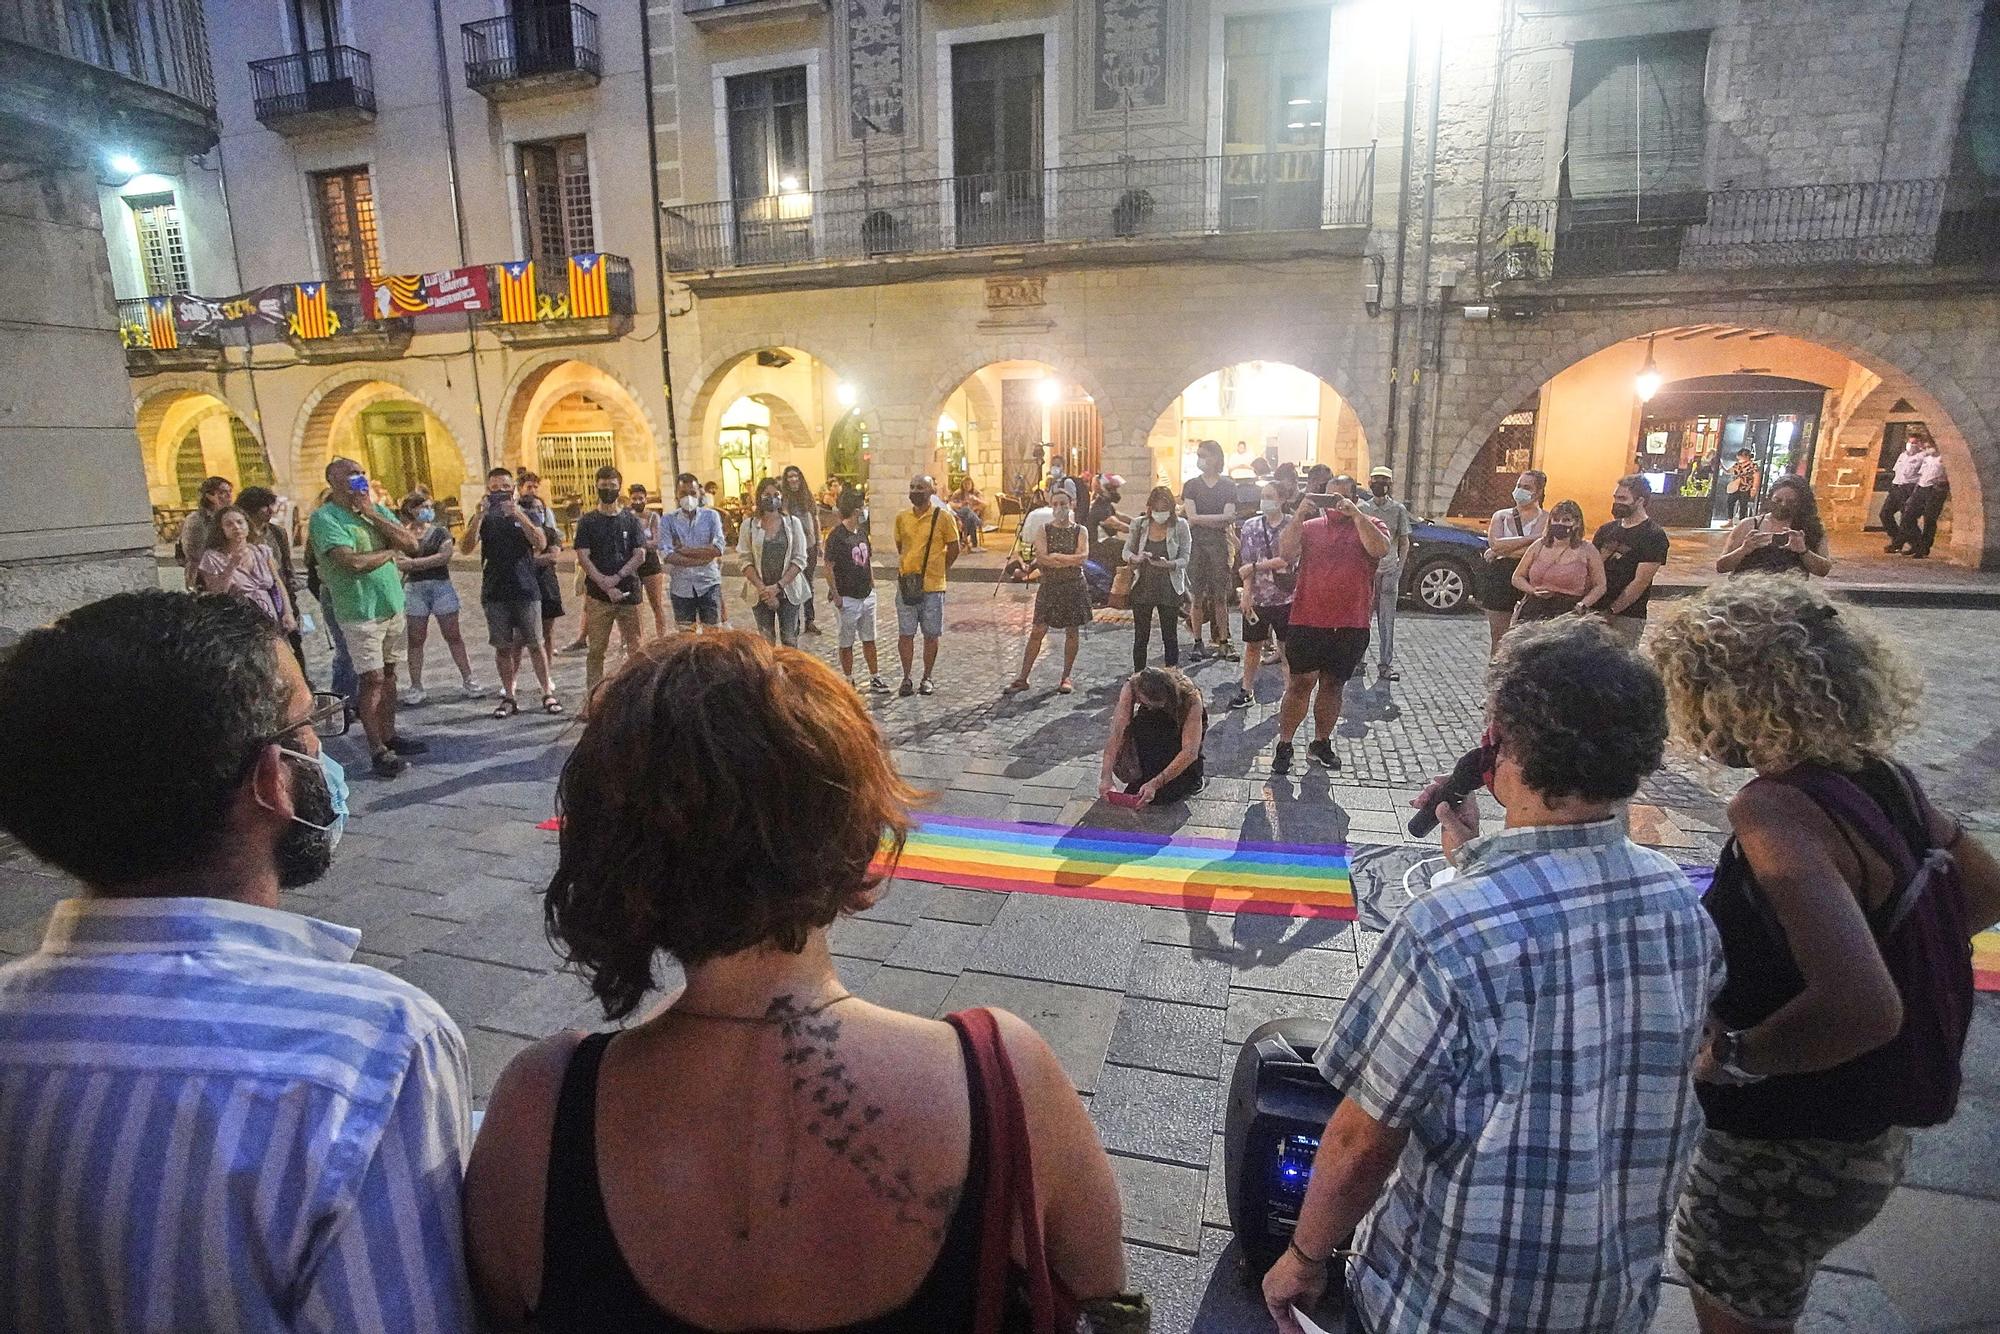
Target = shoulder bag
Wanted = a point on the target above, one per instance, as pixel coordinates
(910, 587)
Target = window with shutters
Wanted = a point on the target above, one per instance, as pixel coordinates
(556, 217)
(767, 134)
(1637, 126)
(569, 462)
(346, 202)
(252, 468)
(162, 252)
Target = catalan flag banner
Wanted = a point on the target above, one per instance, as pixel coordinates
(161, 335)
(312, 317)
(589, 293)
(517, 292)
(400, 294)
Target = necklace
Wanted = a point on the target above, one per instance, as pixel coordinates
(774, 1016)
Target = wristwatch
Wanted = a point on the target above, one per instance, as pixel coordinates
(1728, 1048)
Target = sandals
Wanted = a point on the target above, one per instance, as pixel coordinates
(506, 708)
(1015, 687)
(1065, 687)
(550, 704)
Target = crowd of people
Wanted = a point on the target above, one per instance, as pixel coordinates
(1558, 1063)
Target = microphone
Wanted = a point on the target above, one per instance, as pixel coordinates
(1466, 778)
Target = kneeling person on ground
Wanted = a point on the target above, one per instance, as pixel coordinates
(1156, 735)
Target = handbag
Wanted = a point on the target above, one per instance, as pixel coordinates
(1121, 587)
(1030, 1299)
(910, 587)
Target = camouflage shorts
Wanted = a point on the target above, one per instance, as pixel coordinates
(1757, 1216)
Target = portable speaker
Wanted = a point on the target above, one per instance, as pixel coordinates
(1278, 1106)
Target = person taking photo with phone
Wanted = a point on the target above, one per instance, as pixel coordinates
(1787, 538)
(356, 542)
(510, 589)
(1335, 548)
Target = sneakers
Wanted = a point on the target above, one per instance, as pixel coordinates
(1322, 752)
(404, 745)
(877, 686)
(926, 688)
(1281, 758)
(578, 646)
(412, 697)
(906, 689)
(387, 764)
(471, 689)
(1228, 651)
(1196, 653)
(1241, 699)
(1388, 673)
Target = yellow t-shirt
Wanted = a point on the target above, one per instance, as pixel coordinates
(912, 530)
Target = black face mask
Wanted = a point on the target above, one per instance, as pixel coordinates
(771, 504)
(304, 854)
(1111, 494)
(1561, 532)
(1380, 488)
(608, 495)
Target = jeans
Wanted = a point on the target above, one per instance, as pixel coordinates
(346, 684)
(1388, 592)
(1142, 633)
(779, 624)
(1920, 518)
(1892, 514)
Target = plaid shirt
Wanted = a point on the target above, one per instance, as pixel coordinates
(1531, 1022)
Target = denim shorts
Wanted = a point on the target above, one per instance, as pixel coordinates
(707, 604)
(927, 615)
(513, 623)
(857, 621)
(429, 597)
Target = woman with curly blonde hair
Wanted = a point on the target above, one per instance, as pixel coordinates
(1806, 1116)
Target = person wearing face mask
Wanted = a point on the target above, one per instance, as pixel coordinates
(1787, 538)
(1634, 550)
(1509, 534)
(263, 1088)
(1335, 555)
(1208, 503)
(773, 546)
(1157, 549)
(427, 593)
(1560, 570)
(802, 505)
(1394, 515)
(510, 590)
(1062, 602)
(652, 574)
(546, 578)
(1268, 582)
(927, 543)
(610, 550)
(691, 547)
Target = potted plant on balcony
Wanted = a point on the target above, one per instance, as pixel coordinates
(1522, 247)
(1131, 211)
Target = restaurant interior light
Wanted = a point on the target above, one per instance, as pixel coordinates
(846, 394)
(1648, 381)
(1049, 391)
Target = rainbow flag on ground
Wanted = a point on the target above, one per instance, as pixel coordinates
(1171, 871)
(1986, 960)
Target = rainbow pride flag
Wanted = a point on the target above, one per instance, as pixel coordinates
(1170, 871)
(1986, 960)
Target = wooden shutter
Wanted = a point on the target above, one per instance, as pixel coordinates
(1637, 125)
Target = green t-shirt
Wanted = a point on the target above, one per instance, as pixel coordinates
(356, 597)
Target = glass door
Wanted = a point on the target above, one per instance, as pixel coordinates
(770, 172)
(1273, 120)
(398, 455)
(996, 135)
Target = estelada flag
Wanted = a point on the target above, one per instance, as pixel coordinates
(517, 292)
(161, 335)
(589, 294)
(310, 316)
(400, 294)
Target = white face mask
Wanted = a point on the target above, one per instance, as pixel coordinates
(1161, 516)
(689, 504)
(1523, 496)
(1270, 507)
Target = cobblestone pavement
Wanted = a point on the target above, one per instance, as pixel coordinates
(441, 869)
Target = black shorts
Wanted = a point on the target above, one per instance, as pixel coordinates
(1269, 621)
(649, 566)
(1496, 586)
(552, 609)
(1334, 654)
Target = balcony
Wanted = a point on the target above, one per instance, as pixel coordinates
(1881, 224)
(75, 77)
(172, 350)
(538, 49)
(1320, 199)
(714, 14)
(314, 90)
(557, 314)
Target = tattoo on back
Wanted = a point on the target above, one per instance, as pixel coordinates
(826, 1098)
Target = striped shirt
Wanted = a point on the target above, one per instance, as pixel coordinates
(1531, 1022)
(211, 1118)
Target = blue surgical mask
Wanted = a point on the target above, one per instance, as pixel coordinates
(336, 787)
(427, 514)
(1523, 496)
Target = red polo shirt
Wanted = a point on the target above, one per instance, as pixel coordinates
(1336, 589)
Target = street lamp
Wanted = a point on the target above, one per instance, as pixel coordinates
(846, 394)
(1648, 381)
(124, 164)
(1049, 391)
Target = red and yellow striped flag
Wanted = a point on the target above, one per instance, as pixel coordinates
(161, 335)
(311, 317)
(589, 294)
(517, 292)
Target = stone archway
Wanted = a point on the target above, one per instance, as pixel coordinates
(1474, 407)
(1064, 364)
(166, 414)
(547, 381)
(1170, 384)
(704, 408)
(715, 368)
(332, 411)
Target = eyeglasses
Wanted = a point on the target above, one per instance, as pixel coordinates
(327, 717)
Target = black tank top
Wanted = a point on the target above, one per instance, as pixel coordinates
(1762, 976)
(587, 1286)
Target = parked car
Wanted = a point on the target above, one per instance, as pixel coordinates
(1443, 567)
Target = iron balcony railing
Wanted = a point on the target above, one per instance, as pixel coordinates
(1289, 191)
(537, 40)
(331, 79)
(137, 320)
(1880, 223)
(160, 43)
(552, 295)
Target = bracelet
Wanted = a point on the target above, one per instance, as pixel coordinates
(1292, 1245)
